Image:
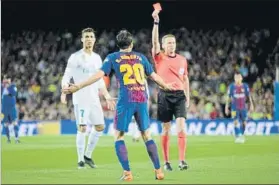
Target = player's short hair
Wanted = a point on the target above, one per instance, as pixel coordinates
(167, 36)
(237, 73)
(124, 39)
(87, 30)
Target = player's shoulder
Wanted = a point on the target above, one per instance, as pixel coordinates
(140, 55)
(77, 53)
(231, 85)
(97, 58)
(96, 55)
(117, 54)
(180, 57)
(111, 56)
(137, 53)
(13, 85)
(114, 54)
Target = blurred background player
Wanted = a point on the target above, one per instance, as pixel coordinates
(88, 110)
(9, 111)
(130, 68)
(237, 95)
(171, 67)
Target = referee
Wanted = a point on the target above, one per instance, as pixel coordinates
(172, 68)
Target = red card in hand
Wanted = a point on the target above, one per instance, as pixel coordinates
(157, 6)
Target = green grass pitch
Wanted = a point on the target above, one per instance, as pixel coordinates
(212, 159)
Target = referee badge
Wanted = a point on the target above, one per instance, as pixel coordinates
(181, 71)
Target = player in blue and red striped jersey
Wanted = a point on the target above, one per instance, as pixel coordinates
(130, 69)
(8, 93)
(238, 93)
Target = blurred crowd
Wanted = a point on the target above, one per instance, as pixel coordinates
(36, 60)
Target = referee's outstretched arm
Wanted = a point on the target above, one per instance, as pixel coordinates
(155, 34)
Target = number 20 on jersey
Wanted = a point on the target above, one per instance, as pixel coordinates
(132, 74)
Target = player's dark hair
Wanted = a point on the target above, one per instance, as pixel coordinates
(124, 39)
(86, 30)
(237, 73)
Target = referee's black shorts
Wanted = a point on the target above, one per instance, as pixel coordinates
(171, 103)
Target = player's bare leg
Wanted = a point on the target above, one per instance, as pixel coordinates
(182, 142)
(15, 124)
(166, 145)
(80, 142)
(93, 139)
(122, 154)
(153, 154)
(6, 126)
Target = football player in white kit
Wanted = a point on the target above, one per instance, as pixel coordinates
(87, 106)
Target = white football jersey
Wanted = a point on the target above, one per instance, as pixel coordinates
(80, 67)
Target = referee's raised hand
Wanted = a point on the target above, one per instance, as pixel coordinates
(155, 16)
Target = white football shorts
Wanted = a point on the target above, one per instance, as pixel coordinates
(89, 114)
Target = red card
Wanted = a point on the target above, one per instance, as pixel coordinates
(157, 6)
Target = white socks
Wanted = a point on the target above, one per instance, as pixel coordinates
(92, 142)
(80, 142)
